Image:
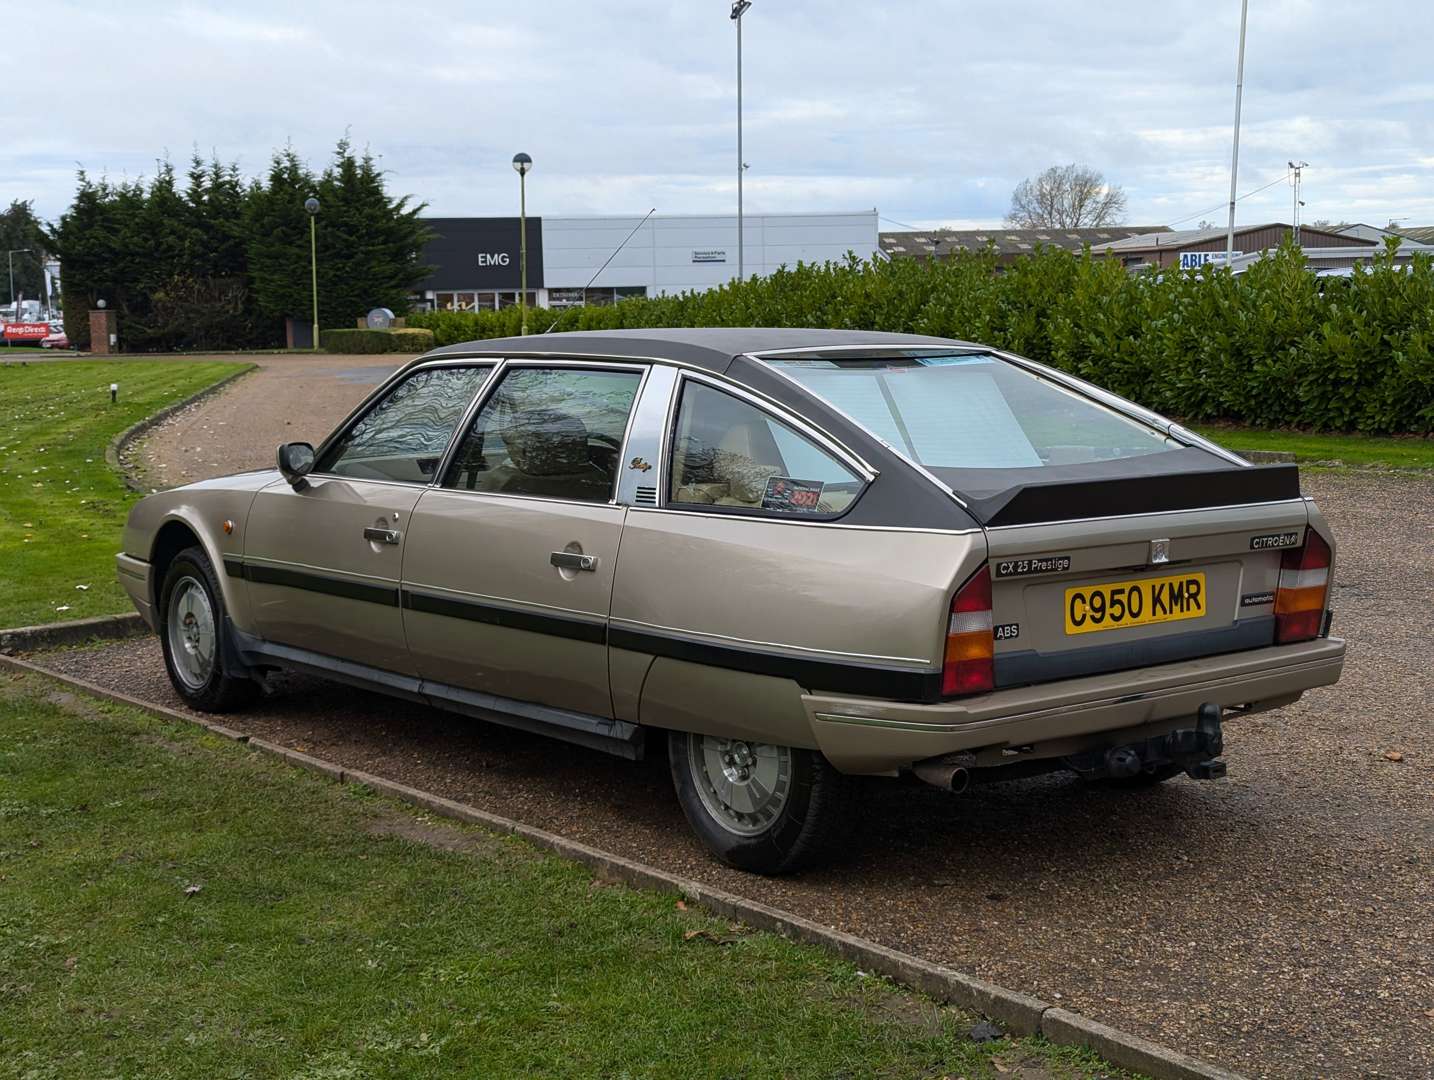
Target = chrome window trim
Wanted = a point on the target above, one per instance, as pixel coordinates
(490, 387)
(945, 488)
(361, 409)
(520, 496)
(803, 522)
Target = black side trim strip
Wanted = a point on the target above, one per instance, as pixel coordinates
(510, 618)
(321, 583)
(873, 680)
(234, 567)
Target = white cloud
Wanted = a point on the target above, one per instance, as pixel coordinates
(930, 110)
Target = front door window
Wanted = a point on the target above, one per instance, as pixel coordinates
(549, 432)
(403, 435)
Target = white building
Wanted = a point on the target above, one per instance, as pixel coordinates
(476, 260)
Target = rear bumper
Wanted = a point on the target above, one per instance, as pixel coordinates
(133, 574)
(870, 736)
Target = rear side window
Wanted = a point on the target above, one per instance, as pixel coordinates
(729, 453)
(973, 411)
(403, 435)
(548, 432)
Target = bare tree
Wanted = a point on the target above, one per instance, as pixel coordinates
(1066, 197)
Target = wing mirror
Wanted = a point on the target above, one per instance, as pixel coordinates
(296, 459)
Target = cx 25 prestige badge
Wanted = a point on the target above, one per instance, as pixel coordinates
(1046, 564)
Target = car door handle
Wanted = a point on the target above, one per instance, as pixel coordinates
(571, 560)
(382, 536)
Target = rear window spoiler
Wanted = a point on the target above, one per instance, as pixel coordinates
(1068, 500)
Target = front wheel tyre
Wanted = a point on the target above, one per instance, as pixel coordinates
(191, 611)
(758, 807)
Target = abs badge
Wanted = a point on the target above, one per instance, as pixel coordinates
(786, 493)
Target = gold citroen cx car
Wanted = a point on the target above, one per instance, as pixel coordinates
(796, 555)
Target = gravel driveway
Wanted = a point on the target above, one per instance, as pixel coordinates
(287, 399)
(1280, 922)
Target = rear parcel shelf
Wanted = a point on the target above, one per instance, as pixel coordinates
(1039, 502)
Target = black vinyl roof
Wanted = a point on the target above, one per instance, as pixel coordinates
(706, 347)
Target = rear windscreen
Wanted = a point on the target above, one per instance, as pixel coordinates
(973, 411)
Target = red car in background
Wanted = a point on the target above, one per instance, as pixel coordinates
(56, 338)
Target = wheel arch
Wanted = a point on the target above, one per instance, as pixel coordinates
(176, 534)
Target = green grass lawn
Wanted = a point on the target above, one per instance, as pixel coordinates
(174, 905)
(61, 507)
(1368, 451)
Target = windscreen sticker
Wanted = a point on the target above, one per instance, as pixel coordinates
(1050, 564)
(790, 494)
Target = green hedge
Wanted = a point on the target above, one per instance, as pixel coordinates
(409, 340)
(1274, 347)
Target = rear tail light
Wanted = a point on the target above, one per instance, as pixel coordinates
(970, 647)
(1304, 585)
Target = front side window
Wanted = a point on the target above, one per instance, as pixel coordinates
(403, 435)
(549, 432)
(729, 453)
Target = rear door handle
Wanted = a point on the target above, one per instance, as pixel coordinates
(571, 560)
(382, 536)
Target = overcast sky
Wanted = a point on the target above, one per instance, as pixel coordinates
(929, 110)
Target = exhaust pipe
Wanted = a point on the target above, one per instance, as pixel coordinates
(951, 772)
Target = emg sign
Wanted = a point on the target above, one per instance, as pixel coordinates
(481, 253)
(1191, 260)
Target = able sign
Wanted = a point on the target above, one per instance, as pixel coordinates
(1190, 260)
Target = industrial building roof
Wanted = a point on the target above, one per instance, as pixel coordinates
(923, 244)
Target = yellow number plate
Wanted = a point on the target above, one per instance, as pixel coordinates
(1134, 603)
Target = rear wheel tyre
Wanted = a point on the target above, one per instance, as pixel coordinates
(758, 807)
(191, 614)
(1145, 779)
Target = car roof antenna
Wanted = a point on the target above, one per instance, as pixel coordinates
(610, 258)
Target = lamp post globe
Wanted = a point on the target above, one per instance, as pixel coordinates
(311, 204)
(522, 163)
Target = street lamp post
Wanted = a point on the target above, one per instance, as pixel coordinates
(14, 304)
(10, 257)
(311, 204)
(1235, 149)
(522, 163)
(739, 8)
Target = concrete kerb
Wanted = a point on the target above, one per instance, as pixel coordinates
(73, 632)
(120, 442)
(1018, 1012)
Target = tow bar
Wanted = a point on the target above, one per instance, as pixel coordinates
(1195, 750)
